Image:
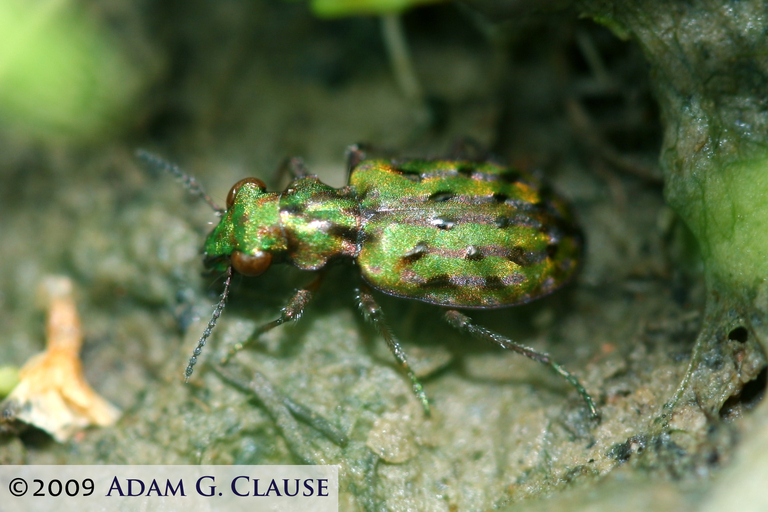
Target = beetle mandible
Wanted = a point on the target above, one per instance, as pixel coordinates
(457, 233)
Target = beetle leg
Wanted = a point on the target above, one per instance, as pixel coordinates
(285, 412)
(355, 154)
(291, 312)
(372, 312)
(293, 167)
(297, 168)
(465, 324)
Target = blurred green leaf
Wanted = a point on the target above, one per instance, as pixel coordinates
(338, 8)
(60, 73)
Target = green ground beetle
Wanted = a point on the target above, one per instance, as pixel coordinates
(457, 233)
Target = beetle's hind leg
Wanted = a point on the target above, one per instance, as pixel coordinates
(291, 312)
(372, 312)
(465, 324)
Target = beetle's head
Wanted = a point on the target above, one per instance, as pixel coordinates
(249, 233)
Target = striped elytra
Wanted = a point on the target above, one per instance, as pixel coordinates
(460, 234)
(455, 233)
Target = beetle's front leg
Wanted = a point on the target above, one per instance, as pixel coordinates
(465, 324)
(372, 312)
(291, 312)
(285, 412)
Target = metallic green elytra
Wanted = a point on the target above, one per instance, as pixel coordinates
(455, 233)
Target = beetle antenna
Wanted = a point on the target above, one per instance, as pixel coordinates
(157, 163)
(209, 328)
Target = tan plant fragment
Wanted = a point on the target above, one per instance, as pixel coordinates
(52, 393)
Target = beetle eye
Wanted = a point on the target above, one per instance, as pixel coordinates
(251, 264)
(236, 188)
